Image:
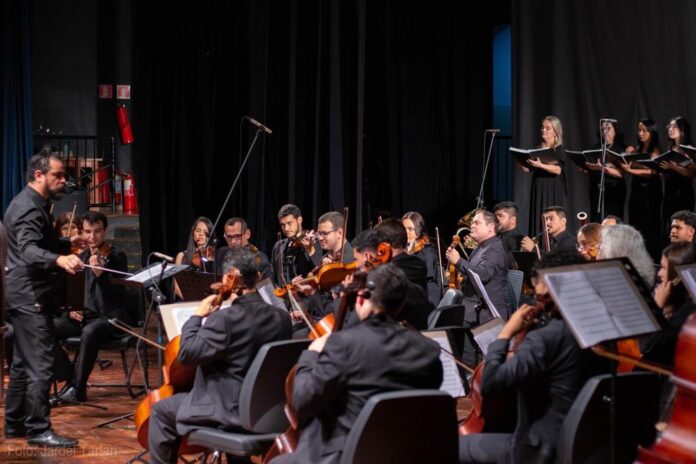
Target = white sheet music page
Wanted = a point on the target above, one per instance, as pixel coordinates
(487, 333)
(451, 382)
(482, 289)
(599, 301)
(688, 276)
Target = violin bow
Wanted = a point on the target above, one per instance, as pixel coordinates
(72, 217)
(439, 259)
(303, 312)
(345, 231)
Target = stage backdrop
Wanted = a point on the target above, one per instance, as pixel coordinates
(583, 60)
(379, 106)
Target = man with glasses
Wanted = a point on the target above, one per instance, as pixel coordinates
(237, 234)
(331, 237)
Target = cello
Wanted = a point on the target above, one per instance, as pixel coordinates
(178, 377)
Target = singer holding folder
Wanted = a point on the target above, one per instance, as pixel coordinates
(548, 178)
(679, 191)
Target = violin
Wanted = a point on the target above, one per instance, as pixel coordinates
(296, 241)
(103, 252)
(200, 255)
(453, 280)
(177, 376)
(417, 245)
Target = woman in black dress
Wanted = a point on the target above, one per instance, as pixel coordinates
(646, 189)
(194, 254)
(679, 191)
(420, 245)
(614, 183)
(548, 179)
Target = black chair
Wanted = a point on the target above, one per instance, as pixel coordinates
(452, 315)
(411, 426)
(451, 297)
(261, 403)
(586, 430)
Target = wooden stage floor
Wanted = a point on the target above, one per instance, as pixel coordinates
(115, 443)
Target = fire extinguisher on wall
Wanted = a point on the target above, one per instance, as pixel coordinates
(124, 125)
(130, 199)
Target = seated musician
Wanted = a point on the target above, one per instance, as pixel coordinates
(611, 220)
(623, 240)
(508, 233)
(682, 227)
(489, 260)
(419, 245)
(223, 348)
(560, 238)
(589, 239)
(548, 369)
(331, 233)
(341, 371)
(237, 234)
(103, 300)
(194, 254)
(395, 235)
(65, 228)
(297, 253)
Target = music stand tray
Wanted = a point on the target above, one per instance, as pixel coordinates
(194, 285)
(149, 275)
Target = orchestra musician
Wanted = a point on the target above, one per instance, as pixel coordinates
(296, 254)
(682, 227)
(623, 240)
(65, 228)
(341, 371)
(194, 254)
(222, 349)
(589, 238)
(508, 233)
(547, 369)
(555, 219)
(36, 258)
(103, 299)
(490, 261)
(611, 220)
(419, 245)
(331, 233)
(237, 235)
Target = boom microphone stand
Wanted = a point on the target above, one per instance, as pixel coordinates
(487, 160)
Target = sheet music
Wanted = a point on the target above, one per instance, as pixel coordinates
(265, 289)
(599, 302)
(153, 272)
(174, 316)
(477, 281)
(451, 382)
(487, 333)
(688, 276)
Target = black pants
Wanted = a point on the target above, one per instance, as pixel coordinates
(484, 448)
(35, 347)
(94, 334)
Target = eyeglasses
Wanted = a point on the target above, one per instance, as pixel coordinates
(325, 233)
(233, 237)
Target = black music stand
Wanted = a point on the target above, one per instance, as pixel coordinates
(194, 285)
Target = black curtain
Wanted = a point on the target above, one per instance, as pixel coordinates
(377, 102)
(583, 60)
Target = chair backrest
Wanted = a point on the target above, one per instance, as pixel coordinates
(410, 426)
(262, 397)
(586, 431)
(452, 296)
(514, 288)
(452, 315)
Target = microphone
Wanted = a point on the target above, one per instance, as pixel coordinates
(259, 125)
(492, 130)
(608, 120)
(70, 187)
(167, 258)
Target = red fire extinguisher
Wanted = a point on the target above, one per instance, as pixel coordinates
(130, 200)
(124, 126)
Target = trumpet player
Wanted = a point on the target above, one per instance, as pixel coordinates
(489, 260)
(555, 221)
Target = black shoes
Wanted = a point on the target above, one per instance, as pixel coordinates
(50, 439)
(71, 394)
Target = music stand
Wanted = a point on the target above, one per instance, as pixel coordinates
(194, 285)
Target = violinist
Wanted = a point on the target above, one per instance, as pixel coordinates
(548, 369)
(237, 234)
(589, 238)
(555, 219)
(682, 227)
(195, 254)
(297, 253)
(419, 245)
(65, 228)
(222, 349)
(341, 371)
(611, 220)
(331, 235)
(508, 233)
(103, 300)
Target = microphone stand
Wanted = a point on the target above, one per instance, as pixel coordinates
(487, 158)
(600, 200)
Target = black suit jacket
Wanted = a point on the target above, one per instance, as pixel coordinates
(548, 369)
(223, 349)
(433, 276)
(414, 268)
(332, 387)
(102, 295)
(262, 261)
(290, 262)
(489, 260)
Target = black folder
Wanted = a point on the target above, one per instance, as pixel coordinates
(545, 155)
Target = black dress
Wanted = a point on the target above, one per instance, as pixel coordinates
(547, 190)
(433, 287)
(679, 195)
(614, 191)
(644, 211)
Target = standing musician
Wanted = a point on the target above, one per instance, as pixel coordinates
(508, 233)
(195, 254)
(548, 369)
(331, 234)
(237, 234)
(419, 245)
(103, 300)
(489, 260)
(35, 252)
(296, 254)
(555, 219)
(682, 227)
(341, 371)
(222, 348)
